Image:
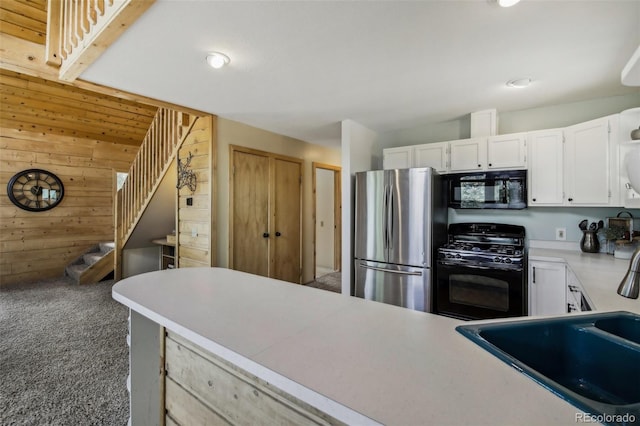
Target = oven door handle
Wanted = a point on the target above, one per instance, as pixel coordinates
(467, 265)
(392, 271)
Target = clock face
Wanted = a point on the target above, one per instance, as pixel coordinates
(35, 190)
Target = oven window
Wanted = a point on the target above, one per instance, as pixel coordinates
(478, 291)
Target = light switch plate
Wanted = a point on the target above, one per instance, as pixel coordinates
(561, 234)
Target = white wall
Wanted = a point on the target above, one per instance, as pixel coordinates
(358, 147)
(140, 260)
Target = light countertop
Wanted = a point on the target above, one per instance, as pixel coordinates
(599, 273)
(361, 361)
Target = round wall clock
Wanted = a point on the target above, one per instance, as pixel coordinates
(35, 190)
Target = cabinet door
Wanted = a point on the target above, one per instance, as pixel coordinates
(545, 177)
(431, 155)
(630, 197)
(587, 165)
(397, 158)
(574, 293)
(507, 152)
(547, 288)
(468, 155)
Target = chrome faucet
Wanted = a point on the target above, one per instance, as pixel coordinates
(630, 285)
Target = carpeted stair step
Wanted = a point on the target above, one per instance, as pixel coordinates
(75, 270)
(81, 271)
(91, 258)
(107, 246)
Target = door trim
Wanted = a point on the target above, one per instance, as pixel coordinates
(337, 213)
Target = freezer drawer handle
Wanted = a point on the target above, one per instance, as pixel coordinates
(393, 271)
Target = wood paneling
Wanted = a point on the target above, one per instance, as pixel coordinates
(36, 246)
(25, 19)
(44, 106)
(196, 222)
(204, 389)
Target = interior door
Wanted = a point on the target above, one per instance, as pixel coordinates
(250, 217)
(286, 257)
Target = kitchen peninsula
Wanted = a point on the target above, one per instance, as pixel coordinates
(331, 357)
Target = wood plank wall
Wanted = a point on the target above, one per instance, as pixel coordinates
(37, 246)
(199, 218)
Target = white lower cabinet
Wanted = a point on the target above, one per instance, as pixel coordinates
(554, 289)
(577, 300)
(547, 288)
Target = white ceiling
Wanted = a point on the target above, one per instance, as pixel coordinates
(298, 68)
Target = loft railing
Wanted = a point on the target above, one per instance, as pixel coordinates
(78, 31)
(160, 146)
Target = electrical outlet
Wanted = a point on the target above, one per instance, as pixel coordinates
(194, 232)
(561, 234)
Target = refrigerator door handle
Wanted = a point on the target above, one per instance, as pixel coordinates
(390, 218)
(393, 271)
(385, 203)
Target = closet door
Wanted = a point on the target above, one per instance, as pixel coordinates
(286, 256)
(250, 213)
(265, 214)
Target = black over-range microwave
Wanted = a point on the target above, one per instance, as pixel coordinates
(488, 190)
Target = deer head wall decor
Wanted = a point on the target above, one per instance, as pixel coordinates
(186, 177)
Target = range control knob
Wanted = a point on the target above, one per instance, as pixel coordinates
(507, 260)
(458, 256)
(497, 259)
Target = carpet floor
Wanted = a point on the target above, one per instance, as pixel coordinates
(330, 282)
(63, 355)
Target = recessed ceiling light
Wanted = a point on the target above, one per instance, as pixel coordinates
(217, 60)
(519, 83)
(507, 3)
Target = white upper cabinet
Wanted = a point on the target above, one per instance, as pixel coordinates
(629, 120)
(588, 163)
(433, 155)
(546, 168)
(507, 151)
(397, 158)
(468, 155)
(501, 152)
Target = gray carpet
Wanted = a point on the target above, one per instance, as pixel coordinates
(63, 355)
(330, 282)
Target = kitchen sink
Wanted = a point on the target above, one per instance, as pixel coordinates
(625, 326)
(591, 361)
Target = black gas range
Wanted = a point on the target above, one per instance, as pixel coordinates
(481, 272)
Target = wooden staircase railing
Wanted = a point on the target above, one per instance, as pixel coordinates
(166, 133)
(78, 31)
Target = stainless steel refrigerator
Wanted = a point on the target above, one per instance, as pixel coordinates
(400, 221)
